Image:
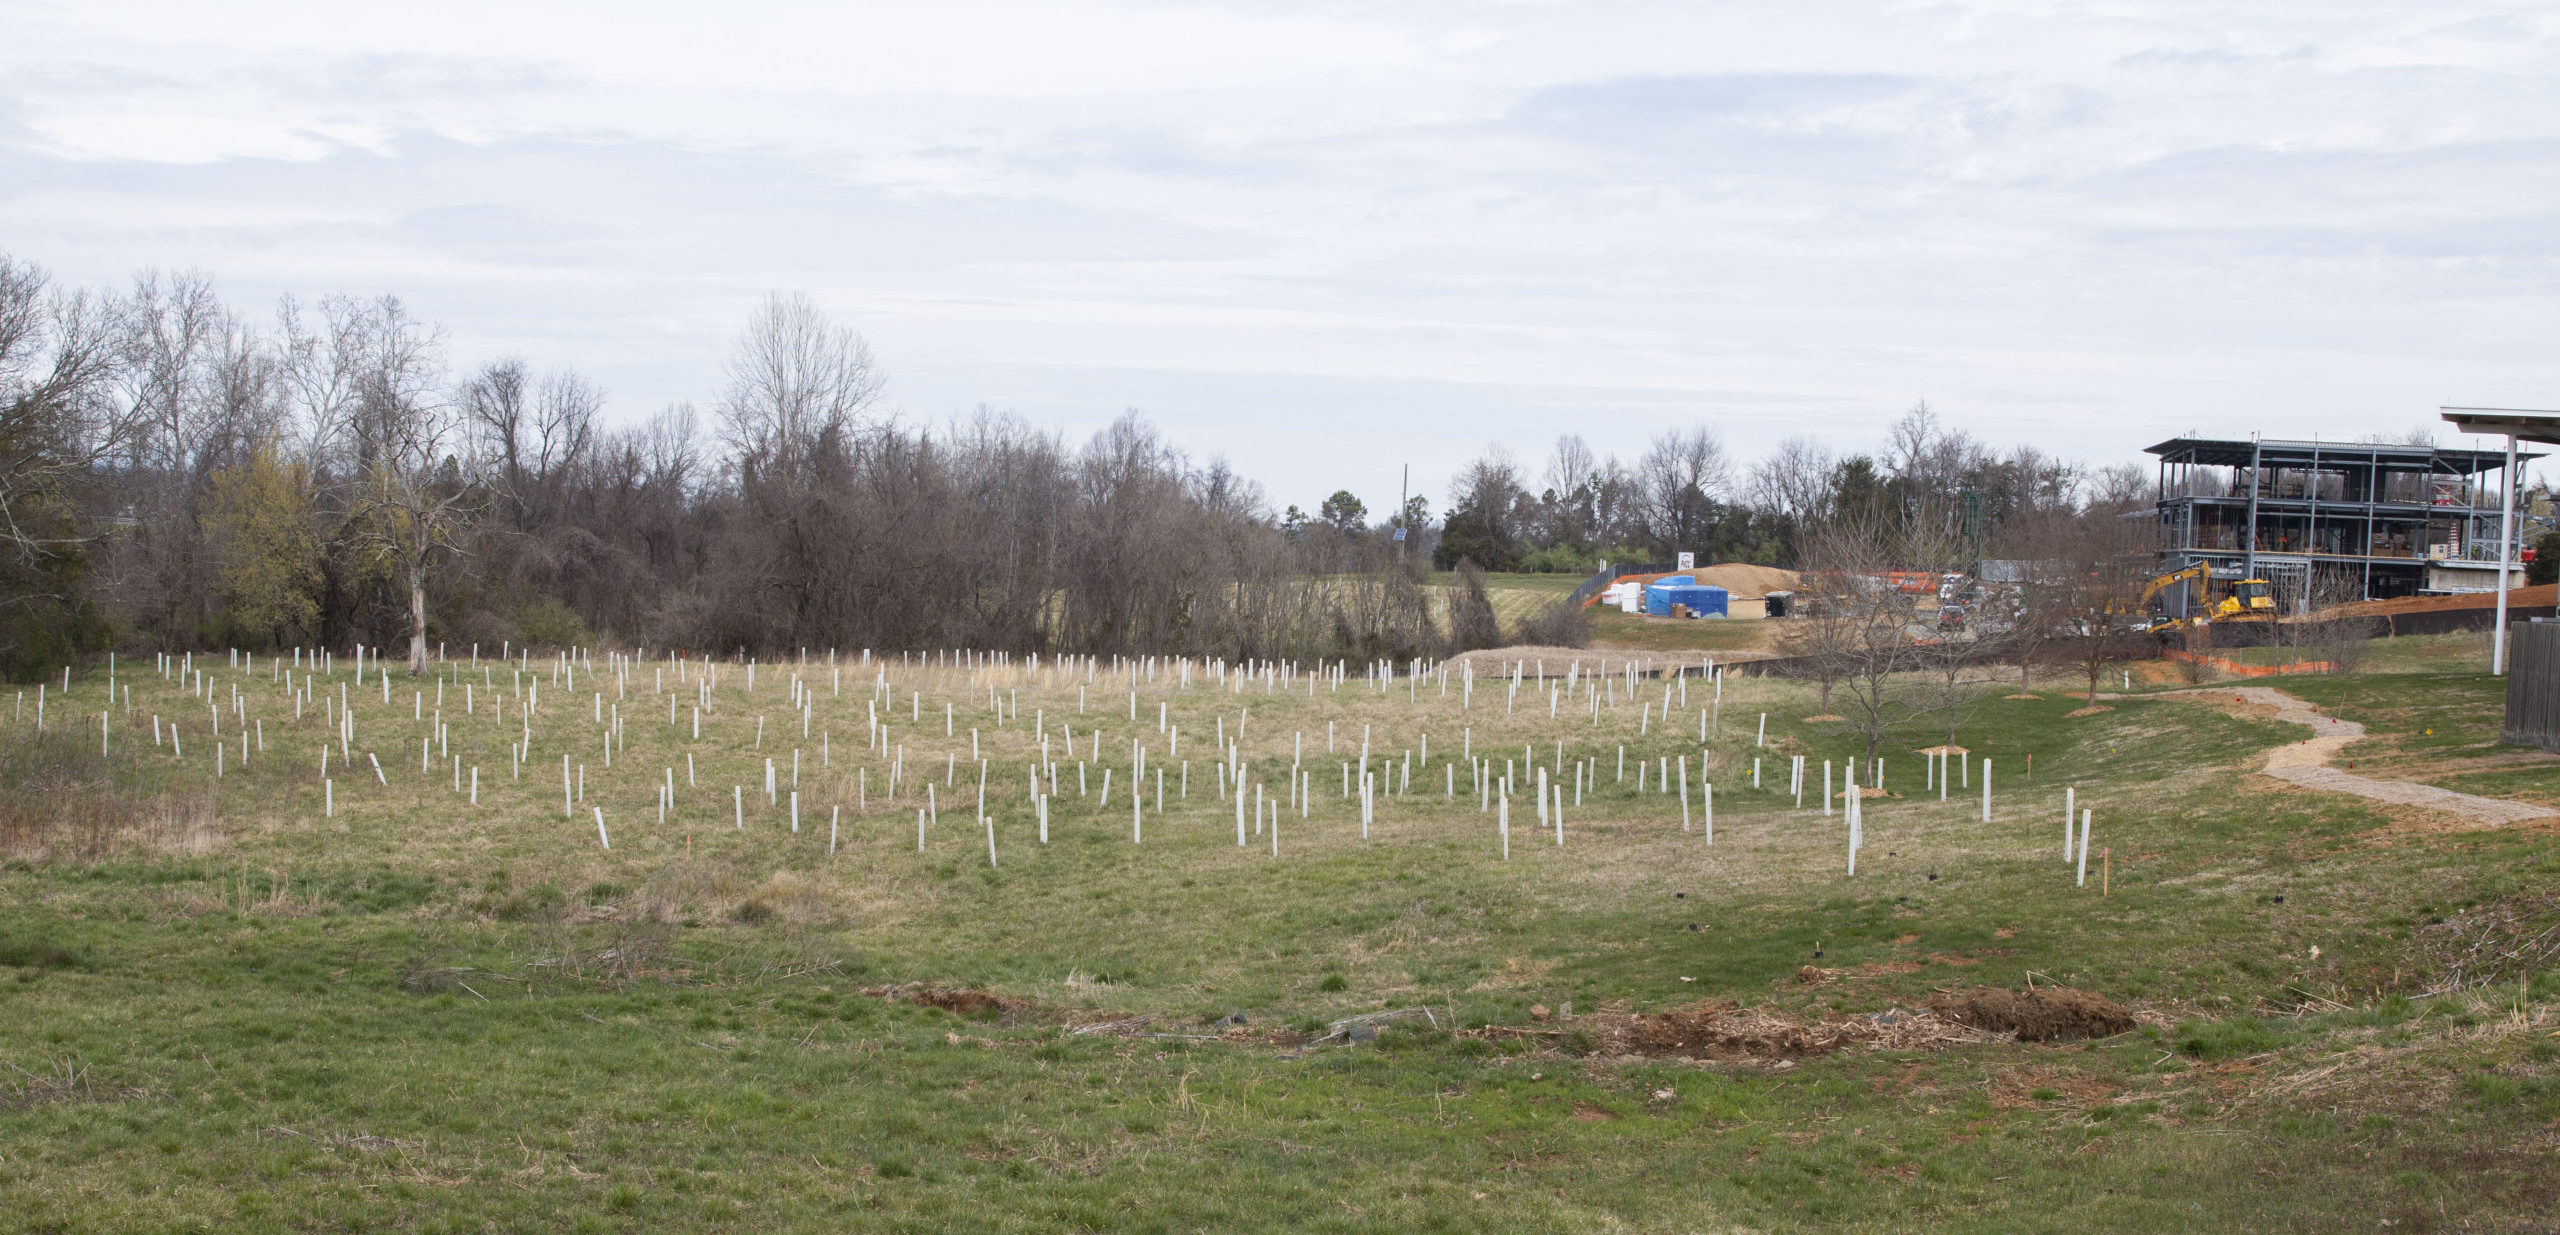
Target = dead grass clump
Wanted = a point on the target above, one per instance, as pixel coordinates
(672, 891)
(633, 952)
(64, 1081)
(2091, 710)
(58, 802)
(792, 898)
(2044, 1014)
(2500, 942)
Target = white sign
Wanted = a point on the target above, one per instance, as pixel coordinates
(1688, 561)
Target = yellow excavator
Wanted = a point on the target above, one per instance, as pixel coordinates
(2249, 600)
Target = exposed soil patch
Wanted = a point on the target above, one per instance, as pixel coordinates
(2091, 710)
(2045, 1014)
(962, 1000)
(2036, 1086)
(1720, 1031)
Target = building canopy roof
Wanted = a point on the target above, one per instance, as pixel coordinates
(2526, 424)
(2270, 452)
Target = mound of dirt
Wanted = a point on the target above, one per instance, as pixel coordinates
(2045, 1014)
(1716, 1031)
(2538, 596)
(964, 1001)
(1747, 582)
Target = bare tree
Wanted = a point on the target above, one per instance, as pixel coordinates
(1572, 465)
(60, 352)
(1794, 482)
(1681, 477)
(797, 381)
(414, 491)
(2092, 610)
(533, 433)
(1953, 660)
(173, 328)
(323, 372)
(1571, 492)
(1875, 629)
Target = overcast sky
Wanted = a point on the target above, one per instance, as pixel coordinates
(1327, 240)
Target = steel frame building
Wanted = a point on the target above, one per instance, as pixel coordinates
(2381, 520)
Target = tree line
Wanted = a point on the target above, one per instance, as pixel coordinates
(1685, 493)
(175, 473)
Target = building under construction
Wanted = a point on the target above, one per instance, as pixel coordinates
(2330, 521)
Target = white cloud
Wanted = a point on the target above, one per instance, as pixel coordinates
(1324, 239)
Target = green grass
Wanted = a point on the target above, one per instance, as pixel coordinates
(1611, 628)
(222, 1010)
(1516, 598)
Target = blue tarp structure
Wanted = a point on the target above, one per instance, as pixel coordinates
(1661, 594)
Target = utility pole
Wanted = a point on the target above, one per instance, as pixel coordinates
(1404, 504)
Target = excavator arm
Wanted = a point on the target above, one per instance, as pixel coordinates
(2151, 591)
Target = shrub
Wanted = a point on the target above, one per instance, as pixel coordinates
(548, 623)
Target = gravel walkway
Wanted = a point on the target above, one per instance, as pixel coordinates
(2307, 763)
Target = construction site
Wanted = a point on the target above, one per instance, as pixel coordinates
(2306, 524)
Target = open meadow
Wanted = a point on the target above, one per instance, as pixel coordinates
(729, 966)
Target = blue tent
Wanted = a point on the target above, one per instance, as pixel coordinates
(1662, 594)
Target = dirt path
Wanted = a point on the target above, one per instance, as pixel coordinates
(2307, 763)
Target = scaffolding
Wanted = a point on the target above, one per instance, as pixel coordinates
(2330, 520)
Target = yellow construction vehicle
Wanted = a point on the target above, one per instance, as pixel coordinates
(2199, 574)
(2249, 600)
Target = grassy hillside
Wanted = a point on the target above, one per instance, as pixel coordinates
(226, 1007)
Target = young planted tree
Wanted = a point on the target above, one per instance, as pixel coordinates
(1876, 636)
(2093, 610)
(1821, 625)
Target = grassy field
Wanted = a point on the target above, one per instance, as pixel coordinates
(1634, 632)
(1518, 598)
(226, 1007)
